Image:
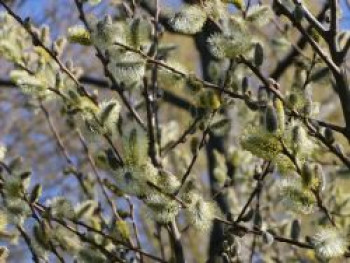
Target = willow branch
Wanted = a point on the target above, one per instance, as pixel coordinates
(118, 88)
(37, 42)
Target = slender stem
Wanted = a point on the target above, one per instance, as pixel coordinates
(325, 57)
(255, 192)
(37, 42)
(153, 153)
(311, 19)
(195, 155)
(134, 226)
(267, 82)
(260, 233)
(98, 176)
(118, 88)
(55, 133)
(183, 136)
(177, 246)
(28, 241)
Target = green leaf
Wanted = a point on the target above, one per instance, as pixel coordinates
(36, 193)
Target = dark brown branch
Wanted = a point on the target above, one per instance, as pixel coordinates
(288, 60)
(311, 19)
(325, 57)
(151, 125)
(333, 27)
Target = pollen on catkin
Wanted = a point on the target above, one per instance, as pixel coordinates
(228, 46)
(108, 116)
(295, 196)
(330, 243)
(261, 143)
(105, 32)
(161, 207)
(131, 180)
(61, 207)
(201, 213)
(169, 79)
(284, 164)
(135, 147)
(79, 35)
(127, 68)
(189, 20)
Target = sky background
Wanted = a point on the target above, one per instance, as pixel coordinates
(34, 8)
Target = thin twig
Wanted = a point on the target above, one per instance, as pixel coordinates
(37, 42)
(28, 241)
(256, 191)
(118, 88)
(195, 155)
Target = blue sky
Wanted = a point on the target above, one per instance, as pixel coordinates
(346, 16)
(34, 9)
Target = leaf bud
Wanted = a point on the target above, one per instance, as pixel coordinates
(45, 34)
(36, 193)
(194, 145)
(257, 219)
(271, 119)
(295, 230)
(307, 175)
(298, 13)
(245, 85)
(258, 55)
(329, 135)
(248, 216)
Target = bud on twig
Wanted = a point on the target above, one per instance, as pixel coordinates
(258, 55)
(271, 119)
(329, 135)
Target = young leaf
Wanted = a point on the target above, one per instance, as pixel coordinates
(36, 193)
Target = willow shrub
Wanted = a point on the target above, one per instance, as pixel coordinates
(272, 172)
